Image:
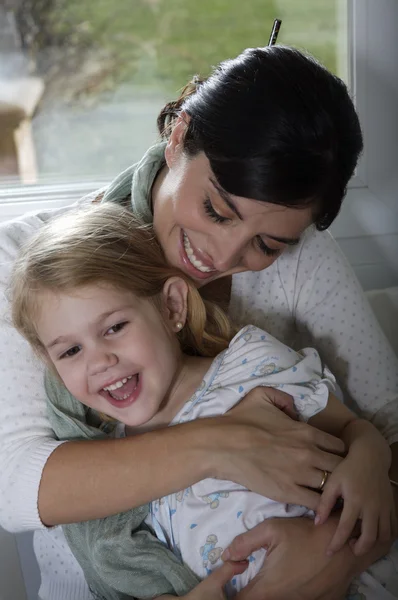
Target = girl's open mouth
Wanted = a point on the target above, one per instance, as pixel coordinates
(123, 393)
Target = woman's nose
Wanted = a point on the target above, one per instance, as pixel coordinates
(228, 253)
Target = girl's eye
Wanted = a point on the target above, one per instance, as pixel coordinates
(213, 214)
(266, 249)
(116, 328)
(71, 352)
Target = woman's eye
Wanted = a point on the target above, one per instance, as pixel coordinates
(71, 352)
(116, 328)
(213, 214)
(266, 249)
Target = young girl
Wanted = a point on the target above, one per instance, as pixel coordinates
(131, 338)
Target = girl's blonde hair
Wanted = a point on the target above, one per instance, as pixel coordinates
(107, 244)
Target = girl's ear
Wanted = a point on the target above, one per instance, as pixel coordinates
(174, 296)
(175, 143)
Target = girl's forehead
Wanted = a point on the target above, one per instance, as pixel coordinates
(88, 303)
(95, 291)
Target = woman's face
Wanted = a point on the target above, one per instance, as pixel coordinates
(208, 233)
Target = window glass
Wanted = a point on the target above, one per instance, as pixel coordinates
(82, 82)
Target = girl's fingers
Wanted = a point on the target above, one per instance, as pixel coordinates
(328, 499)
(369, 533)
(348, 519)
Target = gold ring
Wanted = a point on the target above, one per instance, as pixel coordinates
(324, 480)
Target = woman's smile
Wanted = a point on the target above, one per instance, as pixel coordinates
(195, 262)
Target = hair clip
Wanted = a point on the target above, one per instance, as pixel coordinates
(274, 33)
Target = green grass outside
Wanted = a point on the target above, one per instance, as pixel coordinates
(166, 41)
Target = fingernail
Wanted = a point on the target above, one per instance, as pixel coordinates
(317, 520)
(226, 555)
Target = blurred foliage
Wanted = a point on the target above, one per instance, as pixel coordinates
(167, 41)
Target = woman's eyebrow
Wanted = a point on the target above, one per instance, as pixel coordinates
(226, 197)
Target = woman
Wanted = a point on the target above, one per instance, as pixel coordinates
(255, 156)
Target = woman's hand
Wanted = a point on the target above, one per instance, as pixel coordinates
(272, 454)
(212, 588)
(296, 565)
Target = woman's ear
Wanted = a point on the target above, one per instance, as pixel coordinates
(174, 296)
(175, 143)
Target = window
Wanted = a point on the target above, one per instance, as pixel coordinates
(92, 76)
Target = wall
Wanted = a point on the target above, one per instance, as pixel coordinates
(367, 232)
(367, 228)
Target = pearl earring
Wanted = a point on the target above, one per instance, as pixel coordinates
(179, 325)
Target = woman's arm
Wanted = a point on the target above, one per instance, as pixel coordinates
(333, 315)
(135, 469)
(26, 439)
(247, 445)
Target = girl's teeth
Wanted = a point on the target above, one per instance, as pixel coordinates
(117, 384)
(192, 258)
(121, 398)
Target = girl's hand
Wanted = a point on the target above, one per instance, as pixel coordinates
(289, 572)
(212, 588)
(270, 453)
(369, 512)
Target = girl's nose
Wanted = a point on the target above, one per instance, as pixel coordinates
(100, 361)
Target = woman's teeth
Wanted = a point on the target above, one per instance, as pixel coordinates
(192, 258)
(117, 384)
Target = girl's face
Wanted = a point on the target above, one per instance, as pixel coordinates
(208, 233)
(114, 352)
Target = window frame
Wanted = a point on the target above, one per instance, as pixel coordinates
(370, 208)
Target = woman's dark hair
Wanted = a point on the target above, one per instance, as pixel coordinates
(276, 126)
